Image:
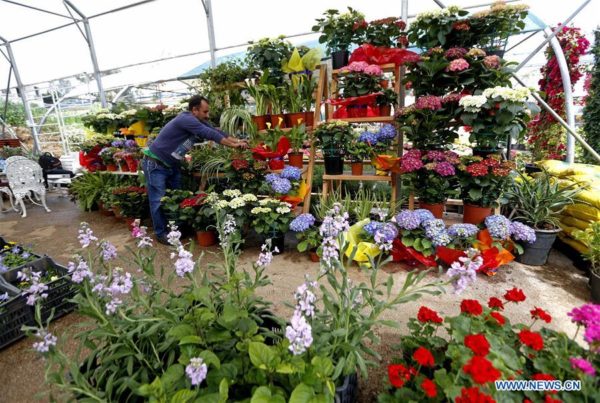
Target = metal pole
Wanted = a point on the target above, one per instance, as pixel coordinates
(560, 120)
(567, 89)
(90, 42)
(439, 3)
(6, 100)
(21, 87)
(211, 31)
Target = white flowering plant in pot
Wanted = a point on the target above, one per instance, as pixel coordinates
(271, 217)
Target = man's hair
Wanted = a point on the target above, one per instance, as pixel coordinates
(196, 100)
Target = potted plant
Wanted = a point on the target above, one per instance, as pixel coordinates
(333, 138)
(132, 202)
(483, 182)
(433, 28)
(259, 94)
(267, 55)
(591, 238)
(107, 156)
(307, 87)
(495, 115)
(385, 32)
(358, 151)
(297, 136)
(307, 233)
(383, 158)
(537, 201)
(360, 78)
(271, 219)
(294, 116)
(431, 174)
(276, 96)
(386, 100)
(491, 28)
(338, 32)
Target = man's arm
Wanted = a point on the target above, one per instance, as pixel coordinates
(233, 142)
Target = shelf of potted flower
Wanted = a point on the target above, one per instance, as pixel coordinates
(483, 182)
(333, 138)
(497, 114)
(538, 201)
(386, 100)
(432, 175)
(107, 156)
(287, 186)
(383, 158)
(357, 82)
(271, 219)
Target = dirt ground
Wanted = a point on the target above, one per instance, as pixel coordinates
(557, 287)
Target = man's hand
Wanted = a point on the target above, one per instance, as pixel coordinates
(235, 143)
(243, 144)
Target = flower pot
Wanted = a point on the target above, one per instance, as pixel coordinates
(294, 119)
(296, 159)
(104, 211)
(260, 121)
(132, 164)
(357, 168)
(536, 254)
(117, 211)
(275, 121)
(334, 165)
(475, 214)
(111, 167)
(277, 241)
(314, 257)
(436, 209)
(357, 111)
(385, 110)
(123, 166)
(276, 164)
(449, 255)
(595, 285)
(309, 118)
(206, 238)
(348, 391)
(339, 59)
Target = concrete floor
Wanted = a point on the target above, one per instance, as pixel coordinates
(556, 287)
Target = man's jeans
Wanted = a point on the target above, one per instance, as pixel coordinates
(158, 180)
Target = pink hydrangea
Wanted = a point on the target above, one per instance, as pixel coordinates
(455, 53)
(491, 62)
(410, 164)
(430, 102)
(452, 97)
(434, 155)
(458, 65)
(445, 169)
(373, 70)
(357, 67)
(412, 154)
(452, 157)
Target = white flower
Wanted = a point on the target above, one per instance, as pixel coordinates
(221, 204)
(472, 103)
(237, 203)
(266, 201)
(283, 210)
(249, 197)
(232, 193)
(508, 94)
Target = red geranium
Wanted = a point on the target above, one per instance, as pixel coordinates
(531, 339)
(424, 357)
(399, 374)
(549, 399)
(481, 370)
(477, 169)
(193, 201)
(515, 295)
(542, 377)
(501, 320)
(495, 303)
(428, 315)
(471, 306)
(478, 344)
(473, 395)
(239, 164)
(539, 313)
(429, 388)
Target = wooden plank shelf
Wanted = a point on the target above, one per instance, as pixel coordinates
(387, 68)
(346, 177)
(373, 119)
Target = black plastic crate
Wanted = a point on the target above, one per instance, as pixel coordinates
(14, 313)
(59, 291)
(348, 392)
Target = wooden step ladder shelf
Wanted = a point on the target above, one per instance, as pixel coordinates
(329, 179)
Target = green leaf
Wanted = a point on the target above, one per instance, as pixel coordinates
(193, 339)
(174, 374)
(407, 241)
(223, 390)
(210, 358)
(323, 366)
(180, 331)
(475, 194)
(183, 396)
(302, 394)
(261, 355)
(263, 395)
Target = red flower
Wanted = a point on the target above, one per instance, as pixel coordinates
(515, 295)
(481, 370)
(499, 318)
(531, 339)
(527, 401)
(239, 164)
(193, 201)
(478, 344)
(473, 395)
(548, 399)
(424, 357)
(539, 313)
(495, 303)
(428, 315)
(399, 374)
(471, 306)
(477, 169)
(542, 377)
(429, 388)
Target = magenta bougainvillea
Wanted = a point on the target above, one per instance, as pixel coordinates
(546, 136)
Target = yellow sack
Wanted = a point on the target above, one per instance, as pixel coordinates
(575, 222)
(363, 249)
(583, 212)
(589, 180)
(590, 196)
(568, 229)
(578, 246)
(555, 168)
(585, 169)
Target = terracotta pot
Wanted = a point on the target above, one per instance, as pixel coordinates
(385, 110)
(295, 119)
(475, 214)
(111, 167)
(357, 168)
(132, 164)
(104, 211)
(260, 121)
(309, 118)
(206, 238)
(296, 159)
(313, 256)
(275, 121)
(117, 211)
(436, 209)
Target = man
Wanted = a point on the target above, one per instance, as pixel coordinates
(162, 160)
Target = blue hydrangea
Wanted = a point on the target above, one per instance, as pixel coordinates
(498, 226)
(423, 215)
(302, 222)
(281, 186)
(408, 219)
(291, 173)
(387, 132)
(462, 230)
(435, 231)
(117, 143)
(372, 227)
(270, 178)
(130, 143)
(368, 137)
(522, 232)
(387, 232)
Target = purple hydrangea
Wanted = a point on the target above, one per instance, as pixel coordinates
(387, 132)
(368, 137)
(435, 231)
(445, 168)
(462, 230)
(270, 178)
(423, 215)
(281, 186)
(410, 164)
(130, 144)
(302, 222)
(498, 226)
(372, 227)
(435, 155)
(385, 235)
(117, 143)
(408, 219)
(522, 232)
(291, 173)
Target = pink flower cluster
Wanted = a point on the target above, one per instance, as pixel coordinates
(362, 67)
(441, 162)
(491, 62)
(455, 53)
(430, 102)
(458, 65)
(588, 316)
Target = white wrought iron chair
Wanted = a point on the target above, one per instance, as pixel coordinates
(25, 177)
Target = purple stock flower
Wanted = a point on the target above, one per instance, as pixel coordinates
(196, 371)
(464, 272)
(281, 186)
(86, 236)
(306, 298)
(184, 263)
(48, 340)
(109, 252)
(462, 230)
(4, 297)
(36, 289)
(385, 235)
(302, 222)
(291, 173)
(79, 272)
(445, 169)
(299, 334)
(522, 232)
(583, 365)
(408, 219)
(498, 226)
(265, 257)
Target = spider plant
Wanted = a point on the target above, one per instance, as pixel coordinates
(235, 117)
